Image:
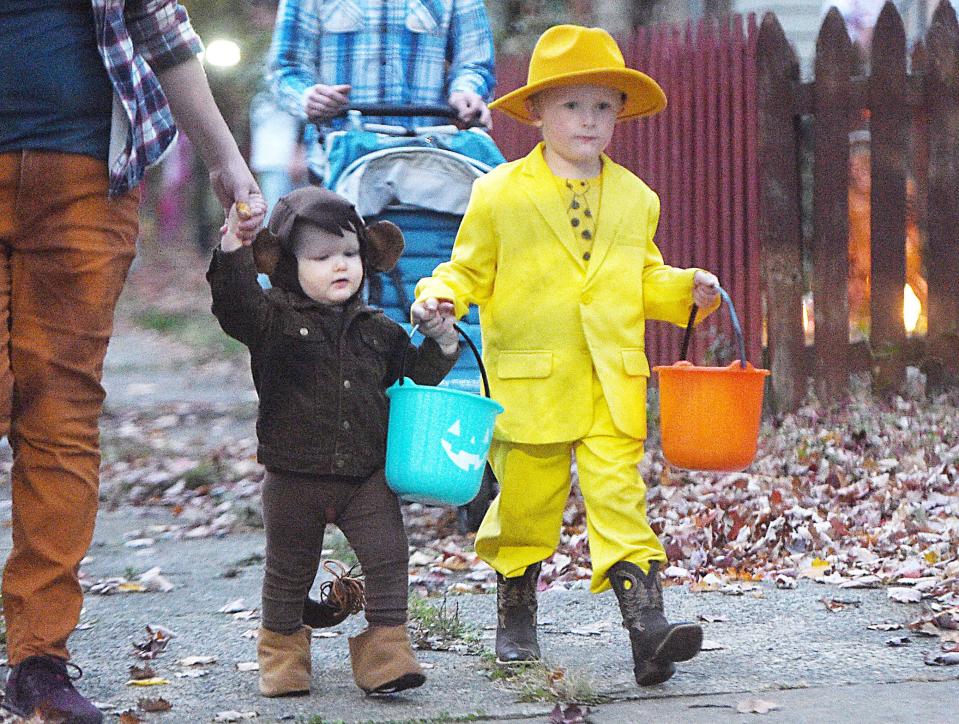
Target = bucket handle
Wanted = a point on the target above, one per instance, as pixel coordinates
(736, 328)
(469, 342)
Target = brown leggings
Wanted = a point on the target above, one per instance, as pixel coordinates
(296, 509)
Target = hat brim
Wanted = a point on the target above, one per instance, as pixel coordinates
(644, 97)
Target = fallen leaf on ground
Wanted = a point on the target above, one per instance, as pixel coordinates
(153, 681)
(838, 604)
(755, 706)
(235, 715)
(571, 714)
(197, 660)
(233, 606)
(946, 659)
(884, 626)
(158, 704)
(153, 580)
(158, 637)
(904, 595)
(711, 618)
(142, 672)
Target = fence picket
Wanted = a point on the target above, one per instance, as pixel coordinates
(779, 227)
(942, 261)
(834, 65)
(889, 125)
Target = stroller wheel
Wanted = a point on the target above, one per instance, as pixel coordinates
(470, 516)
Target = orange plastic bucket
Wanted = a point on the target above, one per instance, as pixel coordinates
(710, 416)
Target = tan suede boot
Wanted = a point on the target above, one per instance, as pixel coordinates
(383, 661)
(285, 665)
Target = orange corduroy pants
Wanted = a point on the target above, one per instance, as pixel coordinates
(65, 249)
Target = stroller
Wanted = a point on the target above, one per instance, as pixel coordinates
(420, 179)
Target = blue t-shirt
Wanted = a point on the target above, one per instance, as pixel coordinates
(55, 93)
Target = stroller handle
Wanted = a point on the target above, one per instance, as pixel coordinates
(388, 109)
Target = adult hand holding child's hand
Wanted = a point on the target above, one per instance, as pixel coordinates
(705, 289)
(435, 319)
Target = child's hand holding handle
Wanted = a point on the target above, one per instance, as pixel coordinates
(242, 223)
(705, 289)
(435, 319)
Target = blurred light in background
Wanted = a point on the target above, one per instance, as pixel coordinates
(222, 53)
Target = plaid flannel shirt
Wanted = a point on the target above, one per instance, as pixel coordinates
(136, 38)
(408, 52)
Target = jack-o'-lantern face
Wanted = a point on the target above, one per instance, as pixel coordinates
(465, 452)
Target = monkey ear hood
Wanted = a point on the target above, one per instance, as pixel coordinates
(266, 251)
(384, 245)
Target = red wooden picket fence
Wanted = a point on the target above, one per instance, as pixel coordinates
(914, 121)
(699, 155)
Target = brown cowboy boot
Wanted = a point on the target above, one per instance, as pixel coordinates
(656, 643)
(516, 617)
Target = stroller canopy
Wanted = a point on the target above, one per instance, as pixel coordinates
(434, 173)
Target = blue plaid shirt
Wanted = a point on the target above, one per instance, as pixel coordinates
(136, 38)
(408, 52)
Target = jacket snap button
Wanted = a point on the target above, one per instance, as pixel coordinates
(346, 424)
(304, 331)
(339, 462)
(346, 384)
(586, 298)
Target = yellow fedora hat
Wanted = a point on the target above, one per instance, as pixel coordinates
(573, 55)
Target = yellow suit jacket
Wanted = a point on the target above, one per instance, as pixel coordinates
(549, 317)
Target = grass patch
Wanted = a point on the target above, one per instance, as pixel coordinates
(539, 681)
(439, 628)
(199, 331)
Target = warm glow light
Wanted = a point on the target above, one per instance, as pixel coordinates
(808, 319)
(222, 53)
(911, 309)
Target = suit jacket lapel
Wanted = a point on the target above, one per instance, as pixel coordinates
(612, 208)
(538, 184)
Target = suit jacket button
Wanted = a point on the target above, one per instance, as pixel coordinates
(304, 331)
(587, 298)
(346, 384)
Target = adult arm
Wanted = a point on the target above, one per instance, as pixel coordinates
(293, 54)
(196, 113)
(162, 35)
(471, 75)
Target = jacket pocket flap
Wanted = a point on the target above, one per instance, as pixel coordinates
(635, 362)
(425, 16)
(341, 16)
(513, 365)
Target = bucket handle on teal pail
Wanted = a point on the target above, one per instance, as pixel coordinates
(469, 342)
(736, 328)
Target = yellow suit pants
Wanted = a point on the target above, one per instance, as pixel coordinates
(522, 525)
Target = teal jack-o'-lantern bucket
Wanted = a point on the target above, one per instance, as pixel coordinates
(438, 440)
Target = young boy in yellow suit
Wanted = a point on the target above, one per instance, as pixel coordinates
(557, 250)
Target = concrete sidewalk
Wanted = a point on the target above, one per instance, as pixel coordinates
(782, 646)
